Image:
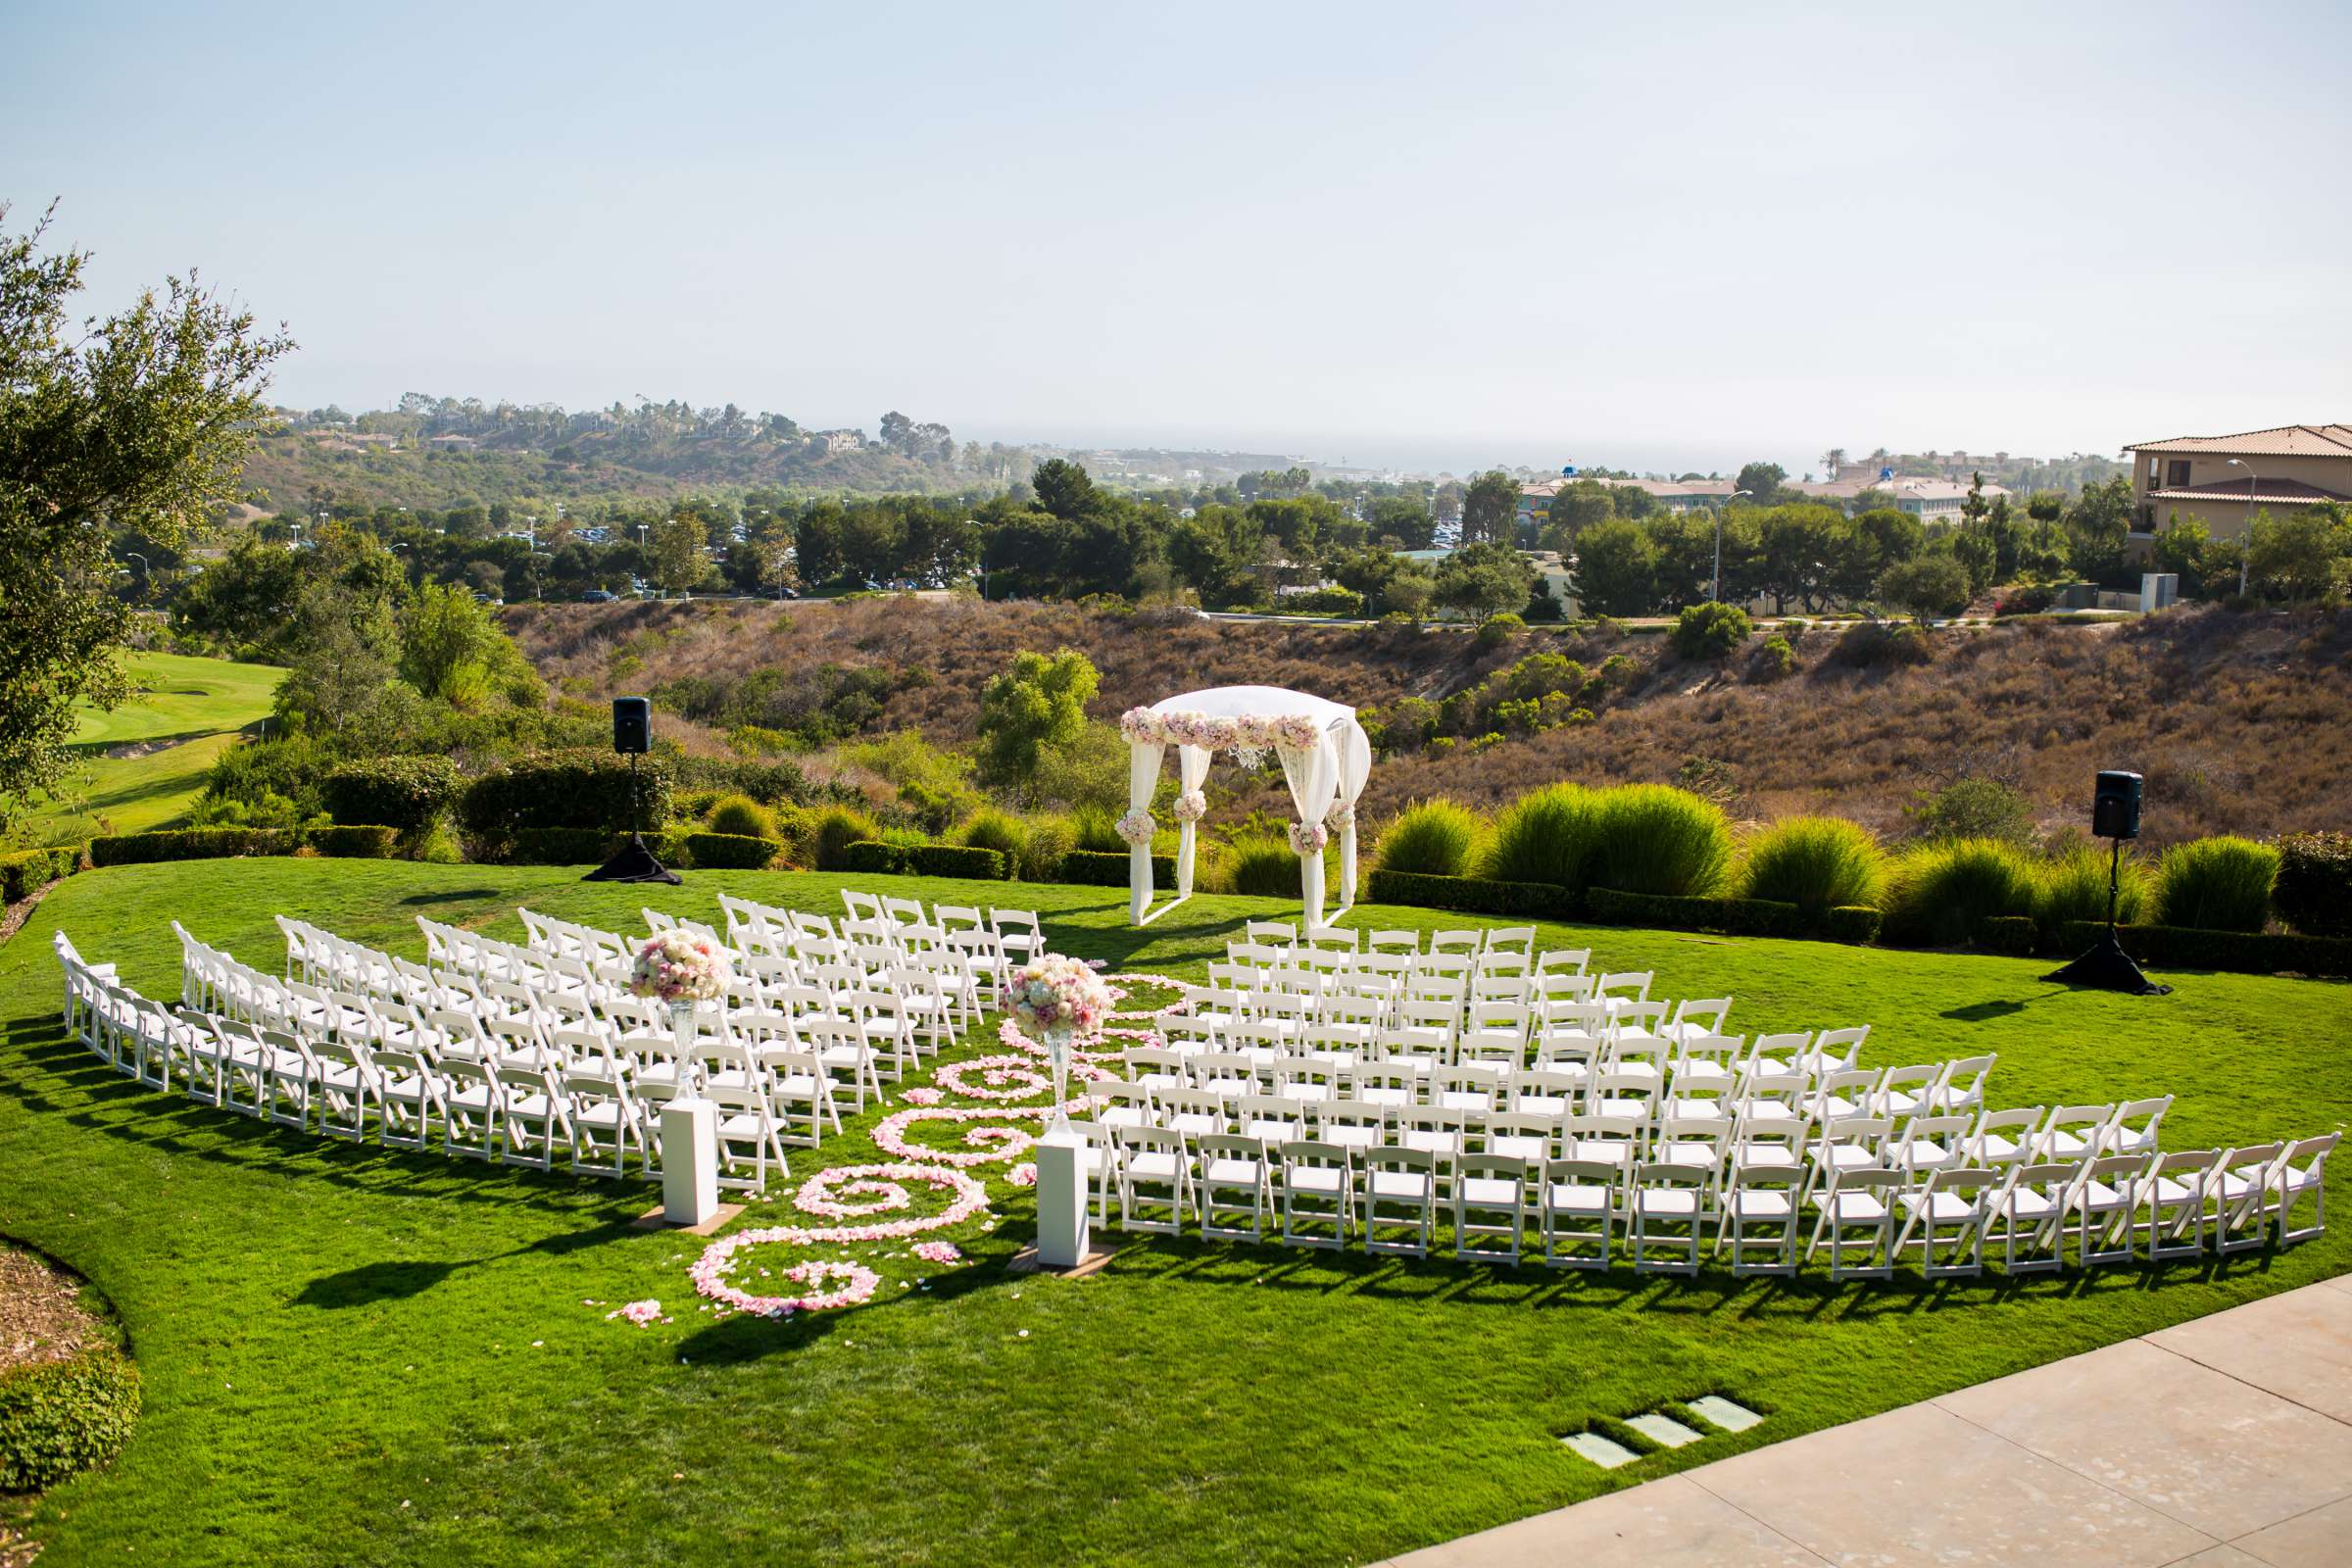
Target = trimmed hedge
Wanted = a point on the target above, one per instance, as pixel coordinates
(1470, 894)
(1107, 868)
(193, 844)
(59, 1418)
(1745, 917)
(1857, 923)
(580, 788)
(27, 871)
(2314, 889)
(2016, 935)
(353, 841)
(2168, 947)
(407, 792)
(731, 852)
(969, 863)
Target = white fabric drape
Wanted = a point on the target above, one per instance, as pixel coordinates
(1313, 775)
(1355, 766)
(1143, 777)
(1191, 768)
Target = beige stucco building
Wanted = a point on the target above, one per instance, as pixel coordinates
(2194, 475)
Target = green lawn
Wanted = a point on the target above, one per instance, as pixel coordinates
(354, 1356)
(197, 705)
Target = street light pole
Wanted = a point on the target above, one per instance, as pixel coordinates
(1716, 593)
(2245, 546)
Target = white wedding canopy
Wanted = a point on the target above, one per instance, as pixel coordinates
(1325, 760)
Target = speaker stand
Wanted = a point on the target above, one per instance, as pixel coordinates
(2108, 967)
(634, 862)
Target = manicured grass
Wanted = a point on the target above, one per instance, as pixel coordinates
(354, 1356)
(198, 704)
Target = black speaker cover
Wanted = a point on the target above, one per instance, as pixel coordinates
(2115, 808)
(632, 725)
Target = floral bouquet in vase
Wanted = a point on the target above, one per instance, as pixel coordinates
(1060, 997)
(679, 969)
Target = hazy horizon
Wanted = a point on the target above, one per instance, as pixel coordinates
(1675, 239)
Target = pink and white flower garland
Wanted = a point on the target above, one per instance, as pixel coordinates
(677, 967)
(1308, 838)
(1216, 733)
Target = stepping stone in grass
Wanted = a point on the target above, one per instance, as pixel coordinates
(1664, 1430)
(1600, 1449)
(1721, 1412)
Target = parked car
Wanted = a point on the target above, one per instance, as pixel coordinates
(597, 596)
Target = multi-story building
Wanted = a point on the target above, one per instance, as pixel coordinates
(2223, 479)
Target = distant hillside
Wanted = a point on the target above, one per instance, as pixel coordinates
(2235, 720)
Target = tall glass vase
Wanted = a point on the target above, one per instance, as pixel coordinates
(1057, 1052)
(681, 1030)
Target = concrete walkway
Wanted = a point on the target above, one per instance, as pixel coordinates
(2223, 1443)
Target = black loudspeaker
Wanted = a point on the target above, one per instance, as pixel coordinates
(633, 731)
(2115, 808)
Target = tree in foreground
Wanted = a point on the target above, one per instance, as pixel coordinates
(136, 422)
(1036, 704)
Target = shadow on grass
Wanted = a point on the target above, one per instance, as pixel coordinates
(1993, 1011)
(397, 1279)
(453, 896)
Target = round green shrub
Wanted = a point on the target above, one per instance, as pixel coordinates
(1268, 867)
(1546, 835)
(1815, 862)
(1710, 630)
(1097, 830)
(1429, 838)
(1939, 892)
(2314, 886)
(59, 1418)
(832, 829)
(1498, 629)
(1050, 839)
(1653, 838)
(2217, 884)
(1774, 660)
(991, 829)
(743, 818)
(2072, 885)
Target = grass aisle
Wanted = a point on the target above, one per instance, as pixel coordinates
(354, 1356)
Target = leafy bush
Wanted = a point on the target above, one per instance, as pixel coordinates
(408, 793)
(193, 844)
(1096, 831)
(2072, 885)
(1546, 835)
(2016, 935)
(1429, 838)
(778, 783)
(1754, 917)
(1496, 629)
(741, 816)
(731, 852)
(59, 1418)
(1653, 838)
(27, 871)
(1815, 862)
(1871, 644)
(354, 841)
(1857, 923)
(2215, 884)
(1342, 602)
(290, 769)
(1469, 895)
(2314, 887)
(1774, 660)
(1711, 630)
(560, 845)
(579, 788)
(832, 829)
(1973, 809)
(1938, 893)
(2240, 951)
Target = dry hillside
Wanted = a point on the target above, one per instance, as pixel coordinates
(2241, 723)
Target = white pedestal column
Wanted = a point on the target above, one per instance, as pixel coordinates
(689, 1161)
(1061, 1200)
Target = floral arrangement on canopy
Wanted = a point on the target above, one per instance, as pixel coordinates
(1248, 737)
(679, 969)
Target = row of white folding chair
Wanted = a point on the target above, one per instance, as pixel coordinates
(2111, 1207)
(1019, 930)
(603, 952)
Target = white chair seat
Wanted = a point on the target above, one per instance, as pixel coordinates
(1400, 1184)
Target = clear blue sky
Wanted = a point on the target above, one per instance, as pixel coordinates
(1447, 234)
